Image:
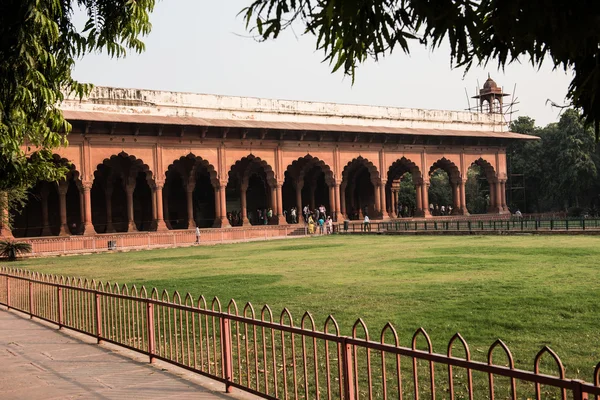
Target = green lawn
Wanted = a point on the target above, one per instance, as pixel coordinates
(527, 290)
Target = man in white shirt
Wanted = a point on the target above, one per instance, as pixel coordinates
(197, 235)
(367, 224)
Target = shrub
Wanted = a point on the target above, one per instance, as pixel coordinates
(9, 249)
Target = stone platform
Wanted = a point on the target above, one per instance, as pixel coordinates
(37, 361)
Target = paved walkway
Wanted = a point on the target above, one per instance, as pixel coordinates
(39, 362)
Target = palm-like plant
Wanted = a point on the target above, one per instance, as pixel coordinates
(9, 249)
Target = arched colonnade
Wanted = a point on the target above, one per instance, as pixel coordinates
(125, 194)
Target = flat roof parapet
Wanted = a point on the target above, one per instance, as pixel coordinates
(138, 103)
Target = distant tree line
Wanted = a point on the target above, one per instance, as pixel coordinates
(559, 172)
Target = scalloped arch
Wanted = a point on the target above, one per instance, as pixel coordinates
(401, 166)
(196, 162)
(299, 167)
(242, 168)
(357, 163)
(443, 163)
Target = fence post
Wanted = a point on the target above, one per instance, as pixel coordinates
(8, 292)
(567, 224)
(583, 224)
(348, 373)
(469, 225)
(30, 300)
(59, 307)
(150, 322)
(551, 224)
(227, 357)
(98, 318)
(578, 393)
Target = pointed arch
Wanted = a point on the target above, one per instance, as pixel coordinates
(250, 187)
(189, 193)
(401, 195)
(122, 195)
(358, 192)
(308, 181)
(480, 188)
(445, 189)
(52, 208)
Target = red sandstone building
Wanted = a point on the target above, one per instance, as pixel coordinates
(145, 160)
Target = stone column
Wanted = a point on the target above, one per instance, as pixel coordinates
(63, 187)
(395, 203)
(339, 215)
(217, 223)
(274, 202)
(383, 203)
(456, 208)
(463, 197)
(81, 208)
(503, 207)
(223, 204)
(244, 200)
(166, 213)
(376, 190)
(45, 224)
(313, 189)
(299, 204)
(109, 219)
(160, 220)
(280, 217)
(492, 206)
(343, 201)
(4, 217)
(331, 210)
(87, 226)
(425, 197)
(189, 189)
(419, 191)
(131, 223)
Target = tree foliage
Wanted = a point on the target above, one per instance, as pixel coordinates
(560, 171)
(39, 44)
(440, 191)
(10, 249)
(477, 190)
(565, 33)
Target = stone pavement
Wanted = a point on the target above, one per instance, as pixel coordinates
(37, 361)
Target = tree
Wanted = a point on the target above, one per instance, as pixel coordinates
(565, 33)
(407, 195)
(561, 168)
(38, 47)
(477, 191)
(440, 191)
(570, 149)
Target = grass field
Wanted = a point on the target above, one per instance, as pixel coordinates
(527, 290)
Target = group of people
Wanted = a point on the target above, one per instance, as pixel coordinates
(316, 219)
(235, 218)
(437, 210)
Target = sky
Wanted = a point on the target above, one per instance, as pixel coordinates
(203, 46)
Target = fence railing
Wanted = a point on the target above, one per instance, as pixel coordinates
(514, 224)
(149, 240)
(275, 358)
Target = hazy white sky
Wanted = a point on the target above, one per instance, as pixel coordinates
(202, 46)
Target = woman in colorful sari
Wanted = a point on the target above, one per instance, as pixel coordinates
(311, 225)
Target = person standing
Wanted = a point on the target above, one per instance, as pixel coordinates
(367, 224)
(293, 213)
(197, 235)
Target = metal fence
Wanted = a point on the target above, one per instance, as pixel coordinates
(465, 225)
(274, 357)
